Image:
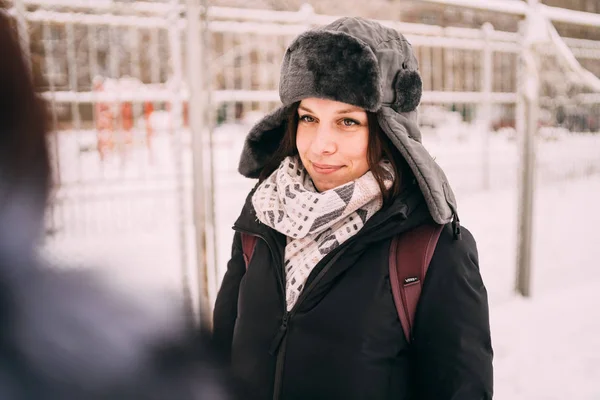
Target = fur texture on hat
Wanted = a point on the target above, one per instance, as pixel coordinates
(331, 65)
(408, 87)
(363, 63)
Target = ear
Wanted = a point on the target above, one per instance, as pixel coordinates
(409, 88)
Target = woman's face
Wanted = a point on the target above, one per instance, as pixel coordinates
(332, 140)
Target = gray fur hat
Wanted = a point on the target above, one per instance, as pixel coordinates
(363, 63)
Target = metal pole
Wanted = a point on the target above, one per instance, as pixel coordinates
(529, 99)
(197, 118)
(56, 171)
(23, 30)
(212, 275)
(73, 74)
(487, 87)
(176, 132)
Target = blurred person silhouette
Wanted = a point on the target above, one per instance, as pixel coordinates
(68, 334)
(319, 300)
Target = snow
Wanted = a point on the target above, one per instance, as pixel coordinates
(547, 347)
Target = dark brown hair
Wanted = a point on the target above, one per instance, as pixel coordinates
(379, 147)
(24, 158)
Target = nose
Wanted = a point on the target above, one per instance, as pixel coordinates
(323, 142)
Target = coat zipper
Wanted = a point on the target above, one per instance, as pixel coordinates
(278, 347)
(278, 344)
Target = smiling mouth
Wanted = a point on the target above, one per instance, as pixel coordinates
(325, 168)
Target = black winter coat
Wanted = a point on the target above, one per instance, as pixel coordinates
(343, 339)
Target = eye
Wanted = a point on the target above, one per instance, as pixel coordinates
(349, 122)
(306, 118)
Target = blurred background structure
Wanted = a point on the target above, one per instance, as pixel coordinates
(150, 102)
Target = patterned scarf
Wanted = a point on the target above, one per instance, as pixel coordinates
(314, 223)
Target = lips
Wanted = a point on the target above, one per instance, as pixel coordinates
(326, 168)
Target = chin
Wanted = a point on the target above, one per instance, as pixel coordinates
(324, 182)
(324, 186)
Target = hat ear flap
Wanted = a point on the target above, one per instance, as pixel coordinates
(408, 88)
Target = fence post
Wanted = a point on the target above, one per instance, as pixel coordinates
(199, 117)
(487, 88)
(23, 31)
(176, 126)
(209, 123)
(307, 12)
(527, 118)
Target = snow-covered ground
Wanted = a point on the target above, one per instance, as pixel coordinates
(547, 347)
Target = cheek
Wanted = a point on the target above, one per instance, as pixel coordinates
(357, 150)
(302, 141)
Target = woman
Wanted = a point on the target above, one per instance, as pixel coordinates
(64, 333)
(342, 173)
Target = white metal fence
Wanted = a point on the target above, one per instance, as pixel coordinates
(118, 85)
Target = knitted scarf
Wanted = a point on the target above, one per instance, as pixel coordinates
(315, 223)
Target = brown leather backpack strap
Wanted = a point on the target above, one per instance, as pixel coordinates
(248, 245)
(410, 255)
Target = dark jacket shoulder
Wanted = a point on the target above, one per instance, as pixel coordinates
(452, 333)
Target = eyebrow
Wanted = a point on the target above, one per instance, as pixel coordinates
(305, 109)
(344, 111)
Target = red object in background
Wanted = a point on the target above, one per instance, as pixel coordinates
(148, 110)
(127, 122)
(112, 119)
(104, 123)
